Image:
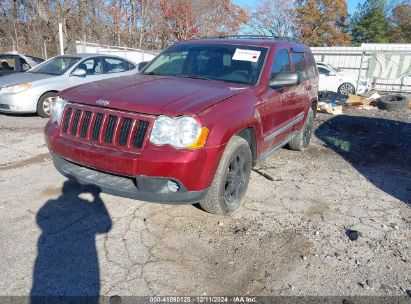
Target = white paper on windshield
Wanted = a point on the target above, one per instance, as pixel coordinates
(246, 55)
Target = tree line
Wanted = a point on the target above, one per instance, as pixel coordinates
(31, 26)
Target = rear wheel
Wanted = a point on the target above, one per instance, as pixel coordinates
(346, 88)
(302, 140)
(231, 179)
(44, 104)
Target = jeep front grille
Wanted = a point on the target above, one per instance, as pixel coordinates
(105, 127)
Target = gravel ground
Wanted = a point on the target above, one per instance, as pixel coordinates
(288, 238)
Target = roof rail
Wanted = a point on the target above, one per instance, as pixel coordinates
(266, 37)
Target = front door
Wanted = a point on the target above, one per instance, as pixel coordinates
(276, 106)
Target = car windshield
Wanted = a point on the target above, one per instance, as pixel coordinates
(55, 66)
(229, 63)
(334, 68)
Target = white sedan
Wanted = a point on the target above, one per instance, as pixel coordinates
(334, 80)
(33, 91)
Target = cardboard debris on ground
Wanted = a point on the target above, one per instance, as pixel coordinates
(367, 107)
(333, 103)
(356, 100)
(329, 108)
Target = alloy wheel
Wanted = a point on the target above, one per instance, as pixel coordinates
(236, 178)
(47, 105)
(347, 88)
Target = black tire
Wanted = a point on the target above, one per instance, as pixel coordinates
(231, 179)
(43, 105)
(346, 88)
(393, 103)
(302, 140)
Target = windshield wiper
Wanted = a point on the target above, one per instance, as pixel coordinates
(196, 77)
(152, 73)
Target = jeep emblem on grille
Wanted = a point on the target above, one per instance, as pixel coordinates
(102, 102)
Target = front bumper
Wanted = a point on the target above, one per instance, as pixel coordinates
(142, 174)
(146, 188)
(23, 102)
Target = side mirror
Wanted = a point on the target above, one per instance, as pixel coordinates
(142, 65)
(284, 79)
(25, 67)
(79, 73)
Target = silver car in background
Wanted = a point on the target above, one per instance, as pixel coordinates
(33, 91)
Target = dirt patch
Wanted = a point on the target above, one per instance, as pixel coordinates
(26, 162)
(317, 208)
(52, 191)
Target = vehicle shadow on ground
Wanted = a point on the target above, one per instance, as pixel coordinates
(66, 269)
(378, 148)
(20, 115)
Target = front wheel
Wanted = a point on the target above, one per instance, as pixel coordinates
(44, 104)
(231, 179)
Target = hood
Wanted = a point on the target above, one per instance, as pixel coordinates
(154, 94)
(20, 78)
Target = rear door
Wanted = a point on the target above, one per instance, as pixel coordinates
(8, 65)
(312, 75)
(300, 66)
(277, 104)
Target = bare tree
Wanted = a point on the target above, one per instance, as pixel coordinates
(272, 17)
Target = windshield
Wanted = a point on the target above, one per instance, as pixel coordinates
(223, 62)
(55, 66)
(334, 68)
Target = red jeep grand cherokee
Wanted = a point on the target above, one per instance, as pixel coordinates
(192, 124)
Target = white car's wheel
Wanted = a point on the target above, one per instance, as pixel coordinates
(346, 88)
(44, 104)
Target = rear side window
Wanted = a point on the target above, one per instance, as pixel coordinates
(35, 59)
(7, 63)
(116, 65)
(299, 63)
(312, 66)
(281, 62)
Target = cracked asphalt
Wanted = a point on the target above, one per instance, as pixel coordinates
(288, 238)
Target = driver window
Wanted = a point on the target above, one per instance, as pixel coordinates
(92, 66)
(24, 65)
(281, 63)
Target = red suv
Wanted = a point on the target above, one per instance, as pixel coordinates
(192, 124)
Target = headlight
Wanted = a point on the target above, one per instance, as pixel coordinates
(15, 89)
(57, 109)
(179, 132)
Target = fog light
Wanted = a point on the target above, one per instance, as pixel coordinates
(172, 186)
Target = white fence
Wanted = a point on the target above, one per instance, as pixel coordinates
(134, 55)
(356, 60)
